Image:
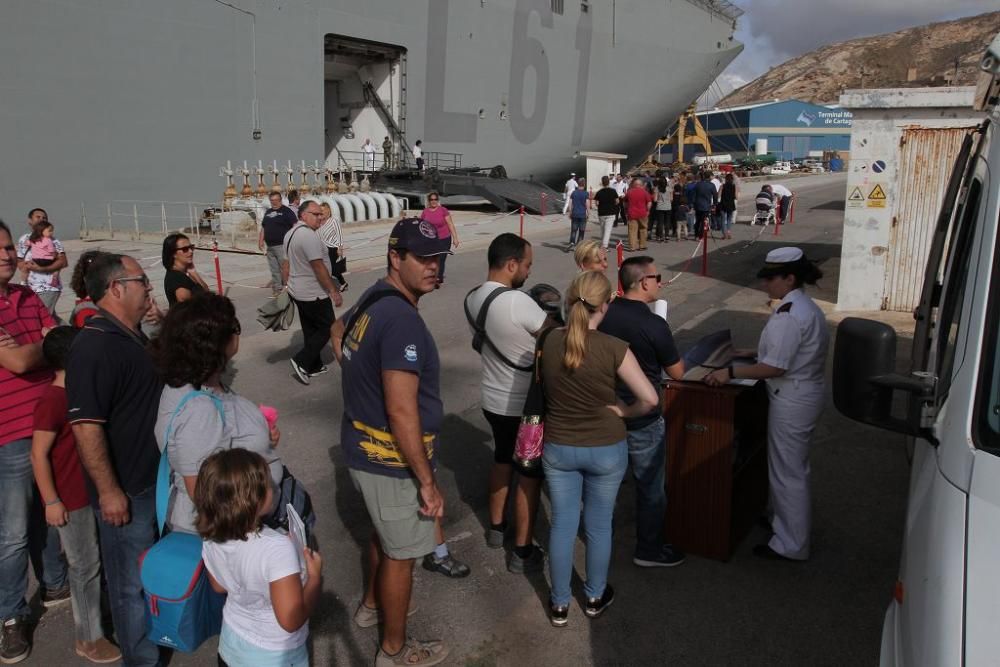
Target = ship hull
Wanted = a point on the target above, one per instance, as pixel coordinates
(121, 101)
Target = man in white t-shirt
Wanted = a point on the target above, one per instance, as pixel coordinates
(513, 321)
(620, 185)
(306, 270)
(782, 200)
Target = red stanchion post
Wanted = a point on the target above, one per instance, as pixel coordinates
(620, 250)
(522, 222)
(791, 210)
(777, 224)
(704, 249)
(218, 267)
(543, 210)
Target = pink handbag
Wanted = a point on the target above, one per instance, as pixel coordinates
(530, 441)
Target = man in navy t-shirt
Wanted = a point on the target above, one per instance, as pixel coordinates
(578, 201)
(392, 419)
(648, 336)
(276, 223)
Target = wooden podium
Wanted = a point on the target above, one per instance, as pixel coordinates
(716, 464)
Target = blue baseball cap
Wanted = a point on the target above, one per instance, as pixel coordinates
(419, 237)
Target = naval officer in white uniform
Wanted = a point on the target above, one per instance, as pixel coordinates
(791, 358)
(568, 189)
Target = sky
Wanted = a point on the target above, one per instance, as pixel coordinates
(775, 30)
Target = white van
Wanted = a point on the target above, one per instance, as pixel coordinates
(946, 606)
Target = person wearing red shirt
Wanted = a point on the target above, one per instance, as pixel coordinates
(24, 320)
(59, 476)
(637, 205)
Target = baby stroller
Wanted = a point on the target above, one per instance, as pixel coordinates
(765, 209)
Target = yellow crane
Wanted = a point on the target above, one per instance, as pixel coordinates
(681, 138)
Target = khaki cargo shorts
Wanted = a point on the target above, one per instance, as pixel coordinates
(393, 505)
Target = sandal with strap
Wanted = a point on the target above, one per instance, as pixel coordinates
(414, 653)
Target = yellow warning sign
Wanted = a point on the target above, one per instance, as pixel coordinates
(876, 198)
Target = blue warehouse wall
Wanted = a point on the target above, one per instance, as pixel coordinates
(793, 113)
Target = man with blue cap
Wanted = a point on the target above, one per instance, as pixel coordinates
(791, 358)
(393, 412)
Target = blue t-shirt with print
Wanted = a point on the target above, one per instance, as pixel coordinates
(389, 335)
(579, 199)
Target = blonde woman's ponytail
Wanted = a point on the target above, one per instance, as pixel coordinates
(586, 294)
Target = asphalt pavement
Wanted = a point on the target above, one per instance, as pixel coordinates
(827, 611)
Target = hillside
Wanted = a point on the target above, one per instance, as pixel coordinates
(920, 56)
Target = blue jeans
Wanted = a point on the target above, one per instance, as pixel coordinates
(647, 452)
(121, 547)
(23, 530)
(728, 220)
(577, 226)
(592, 474)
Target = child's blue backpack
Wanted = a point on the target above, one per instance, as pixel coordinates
(182, 610)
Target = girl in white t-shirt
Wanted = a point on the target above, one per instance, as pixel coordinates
(265, 621)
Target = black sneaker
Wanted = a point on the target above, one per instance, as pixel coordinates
(15, 641)
(533, 563)
(669, 556)
(559, 616)
(322, 369)
(596, 606)
(449, 566)
(55, 598)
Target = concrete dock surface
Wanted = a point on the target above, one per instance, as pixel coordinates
(826, 611)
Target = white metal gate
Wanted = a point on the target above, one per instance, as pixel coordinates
(926, 158)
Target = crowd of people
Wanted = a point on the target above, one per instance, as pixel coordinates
(664, 205)
(89, 407)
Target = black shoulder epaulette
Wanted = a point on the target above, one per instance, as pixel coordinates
(785, 308)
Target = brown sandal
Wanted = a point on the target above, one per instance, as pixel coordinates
(414, 653)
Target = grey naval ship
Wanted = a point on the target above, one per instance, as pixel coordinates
(144, 100)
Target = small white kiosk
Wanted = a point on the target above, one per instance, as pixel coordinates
(601, 164)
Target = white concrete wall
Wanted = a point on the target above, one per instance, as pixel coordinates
(875, 137)
(598, 167)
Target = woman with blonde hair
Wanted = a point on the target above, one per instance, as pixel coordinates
(585, 453)
(591, 256)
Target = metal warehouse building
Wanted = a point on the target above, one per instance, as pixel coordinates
(790, 129)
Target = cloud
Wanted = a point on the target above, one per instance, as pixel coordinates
(775, 30)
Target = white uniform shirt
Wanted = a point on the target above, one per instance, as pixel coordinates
(511, 323)
(780, 190)
(795, 339)
(570, 186)
(717, 183)
(621, 187)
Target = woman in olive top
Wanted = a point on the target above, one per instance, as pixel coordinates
(182, 280)
(585, 454)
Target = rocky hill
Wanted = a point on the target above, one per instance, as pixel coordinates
(938, 54)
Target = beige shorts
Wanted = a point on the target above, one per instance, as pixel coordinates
(394, 507)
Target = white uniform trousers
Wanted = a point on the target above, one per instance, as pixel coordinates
(794, 410)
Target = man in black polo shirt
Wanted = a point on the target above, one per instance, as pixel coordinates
(276, 223)
(607, 208)
(630, 319)
(113, 394)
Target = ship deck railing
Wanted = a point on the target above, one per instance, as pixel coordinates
(359, 161)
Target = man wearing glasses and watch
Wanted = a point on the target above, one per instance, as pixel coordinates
(113, 394)
(651, 341)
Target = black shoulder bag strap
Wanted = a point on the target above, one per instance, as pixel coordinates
(367, 303)
(479, 326)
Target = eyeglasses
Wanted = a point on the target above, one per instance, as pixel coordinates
(237, 329)
(185, 248)
(133, 279)
(658, 276)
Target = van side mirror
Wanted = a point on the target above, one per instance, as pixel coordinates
(864, 377)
